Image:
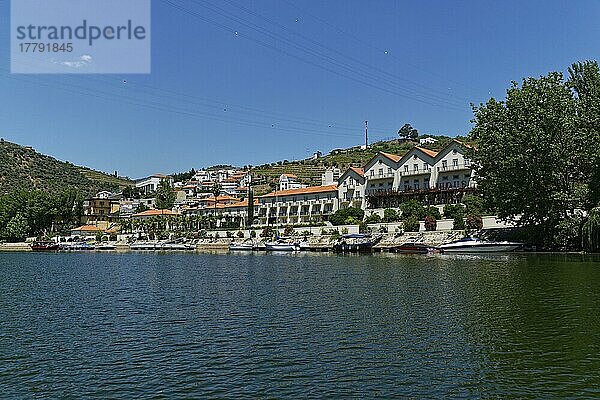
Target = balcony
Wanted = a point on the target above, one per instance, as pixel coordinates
(415, 172)
(386, 175)
(458, 167)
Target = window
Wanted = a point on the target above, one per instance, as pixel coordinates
(416, 167)
(380, 173)
(372, 173)
(425, 167)
(455, 162)
(444, 164)
(406, 168)
(389, 171)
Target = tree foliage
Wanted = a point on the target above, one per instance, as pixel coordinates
(408, 132)
(347, 216)
(526, 153)
(165, 196)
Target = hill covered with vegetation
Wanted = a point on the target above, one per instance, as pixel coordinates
(22, 168)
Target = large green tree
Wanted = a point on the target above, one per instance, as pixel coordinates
(584, 79)
(527, 151)
(165, 196)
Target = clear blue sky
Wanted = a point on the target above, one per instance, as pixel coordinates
(299, 76)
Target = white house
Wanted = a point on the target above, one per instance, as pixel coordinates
(380, 173)
(150, 183)
(289, 181)
(427, 140)
(351, 188)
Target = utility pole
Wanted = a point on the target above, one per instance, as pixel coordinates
(366, 134)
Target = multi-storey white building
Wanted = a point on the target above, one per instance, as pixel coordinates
(294, 206)
(351, 188)
(150, 183)
(420, 172)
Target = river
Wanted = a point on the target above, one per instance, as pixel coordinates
(129, 325)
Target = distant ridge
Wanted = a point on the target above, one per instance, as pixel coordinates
(23, 168)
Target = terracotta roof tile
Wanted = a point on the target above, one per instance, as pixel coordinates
(308, 190)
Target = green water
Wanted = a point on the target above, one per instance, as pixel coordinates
(126, 326)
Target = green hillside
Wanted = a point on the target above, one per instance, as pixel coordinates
(24, 168)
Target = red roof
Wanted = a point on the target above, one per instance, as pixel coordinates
(359, 171)
(392, 157)
(88, 228)
(308, 190)
(151, 213)
(430, 153)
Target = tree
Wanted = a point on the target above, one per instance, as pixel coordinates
(451, 211)
(525, 153)
(250, 211)
(17, 228)
(390, 215)
(413, 208)
(474, 222)
(411, 224)
(459, 223)
(373, 219)
(584, 79)
(347, 216)
(165, 196)
(408, 132)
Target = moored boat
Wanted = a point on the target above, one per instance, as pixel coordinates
(247, 245)
(106, 247)
(476, 245)
(140, 246)
(44, 246)
(415, 248)
(282, 245)
(354, 243)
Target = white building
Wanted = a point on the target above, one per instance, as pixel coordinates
(150, 183)
(294, 206)
(351, 188)
(289, 181)
(330, 176)
(427, 140)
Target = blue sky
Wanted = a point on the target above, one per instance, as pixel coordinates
(247, 82)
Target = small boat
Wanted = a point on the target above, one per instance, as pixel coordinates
(105, 246)
(44, 246)
(476, 245)
(139, 246)
(354, 243)
(172, 246)
(247, 245)
(78, 246)
(415, 248)
(282, 245)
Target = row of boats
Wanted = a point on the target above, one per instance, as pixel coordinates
(85, 246)
(359, 243)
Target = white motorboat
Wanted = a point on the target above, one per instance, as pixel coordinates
(475, 245)
(282, 245)
(143, 246)
(246, 245)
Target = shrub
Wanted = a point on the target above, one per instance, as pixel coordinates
(390, 215)
(459, 223)
(591, 231)
(434, 212)
(351, 221)
(568, 234)
(373, 219)
(411, 224)
(451, 211)
(267, 232)
(229, 234)
(412, 208)
(340, 216)
(288, 231)
(474, 222)
(240, 234)
(383, 229)
(252, 234)
(344, 231)
(430, 223)
(473, 204)
(363, 227)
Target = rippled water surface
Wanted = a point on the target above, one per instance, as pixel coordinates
(127, 326)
